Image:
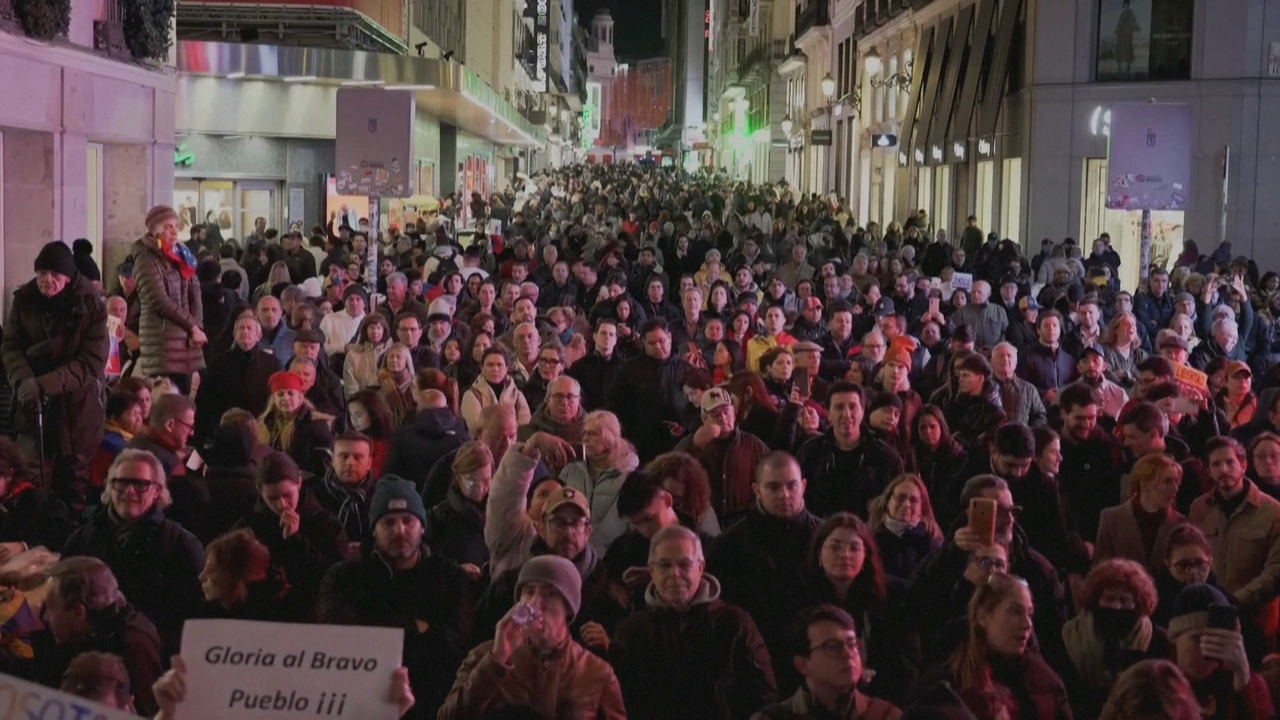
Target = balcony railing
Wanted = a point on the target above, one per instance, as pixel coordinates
(108, 31)
(816, 14)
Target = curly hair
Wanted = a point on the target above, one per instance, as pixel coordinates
(684, 469)
(1124, 575)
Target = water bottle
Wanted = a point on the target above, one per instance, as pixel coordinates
(526, 614)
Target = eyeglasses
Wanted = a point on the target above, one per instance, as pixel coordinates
(549, 361)
(991, 564)
(1191, 564)
(134, 485)
(560, 524)
(839, 648)
(563, 397)
(1011, 510)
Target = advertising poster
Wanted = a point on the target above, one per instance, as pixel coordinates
(1149, 159)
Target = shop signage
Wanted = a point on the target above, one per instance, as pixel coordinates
(903, 159)
(753, 19)
(374, 142)
(919, 156)
(1149, 157)
(958, 151)
(984, 147)
(182, 158)
(820, 137)
(541, 28)
(936, 152)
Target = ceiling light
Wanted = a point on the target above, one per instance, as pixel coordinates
(298, 78)
(235, 75)
(409, 87)
(363, 83)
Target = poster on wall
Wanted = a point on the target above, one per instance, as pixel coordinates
(1149, 158)
(218, 203)
(374, 144)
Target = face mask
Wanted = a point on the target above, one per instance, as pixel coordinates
(1114, 623)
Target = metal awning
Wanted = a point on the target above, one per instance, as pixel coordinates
(444, 89)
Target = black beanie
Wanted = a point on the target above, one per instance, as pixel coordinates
(56, 257)
(88, 267)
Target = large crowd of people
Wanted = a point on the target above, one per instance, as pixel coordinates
(651, 444)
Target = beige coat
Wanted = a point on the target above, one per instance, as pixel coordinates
(1246, 551)
(1119, 537)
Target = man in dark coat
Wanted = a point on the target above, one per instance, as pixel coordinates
(648, 393)
(416, 448)
(689, 644)
(396, 582)
(845, 468)
(55, 351)
(596, 372)
(155, 560)
(237, 378)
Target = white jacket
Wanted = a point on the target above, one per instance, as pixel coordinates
(481, 395)
(602, 495)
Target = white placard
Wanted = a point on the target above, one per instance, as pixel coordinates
(962, 281)
(241, 670)
(22, 699)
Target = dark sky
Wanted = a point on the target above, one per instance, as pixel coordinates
(637, 25)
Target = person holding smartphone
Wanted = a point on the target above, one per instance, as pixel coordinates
(1209, 650)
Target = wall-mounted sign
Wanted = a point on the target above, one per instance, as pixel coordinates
(958, 151)
(903, 159)
(919, 156)
(820, 137)
(884, 141)
(1149, 160)
(1100, 122)
(753, 20)
(591, 111)
(182, 158)
(373, 151)
(936, 153)
(985, 147)
(541, 38)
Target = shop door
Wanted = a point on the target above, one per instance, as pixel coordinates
(257, 199)
(1125, 226)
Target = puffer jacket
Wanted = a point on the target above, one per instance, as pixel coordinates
(602, 495)
(481, 395)
(972, 418)
(802, 706)
(61, 342)
(360, 368)
(568, 683)
(709, 655)
(171, 307)
(1021, 402)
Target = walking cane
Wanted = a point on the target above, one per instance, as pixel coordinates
(40, 441)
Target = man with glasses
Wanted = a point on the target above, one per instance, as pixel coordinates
(408, 327)
(564, 530)
(172, 422)
(549, 367)
(824, 646)
(155, 560)
(719, 668)
(560, 414)
(935, 578)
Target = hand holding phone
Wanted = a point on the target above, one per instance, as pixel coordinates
(982, 519)
(804, 383)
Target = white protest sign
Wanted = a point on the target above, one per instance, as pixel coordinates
(22, 699)
(962, 281)
(280, 671)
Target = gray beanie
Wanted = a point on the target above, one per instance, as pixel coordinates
(557, 572)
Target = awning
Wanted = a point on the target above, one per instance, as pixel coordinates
(444, 89)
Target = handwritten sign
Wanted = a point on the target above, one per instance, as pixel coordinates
(239, 669)
(1191, 377)
(962, 281)
(22, 699)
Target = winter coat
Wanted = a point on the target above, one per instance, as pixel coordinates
(1021, 402)
(973, 419)
(481, 395)
(312, 435)
(348, 504)
(508, 529)
(899, 554)
(236, 379)
(602, 497)
(595, 373)
(417, 448)
(360, 368)
(1087, 467)
(156, 562)
(61, 342)
(455, 529)
(646, 395)
(1037, 690)
(171, 308)
(568, 684)
(828, 471)
(368, 591)
(121, 631)
(1120, 536)
(730, 464)
(1047, 368)
(304, 556)
(987, 321)
(710, 656)
(1246, 551)
(802, 706)
(937, 467)
(541, 421)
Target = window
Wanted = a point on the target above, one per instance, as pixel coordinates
(1144, 39)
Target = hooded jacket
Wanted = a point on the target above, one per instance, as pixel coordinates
(707, 661)
(416, 449)
(171, 308)
(62, 343)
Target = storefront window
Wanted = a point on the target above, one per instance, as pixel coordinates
(1144, 40)
(924, 192)
(942, 200)
(1011, 198)
(986, 197)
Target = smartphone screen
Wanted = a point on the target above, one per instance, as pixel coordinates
(982, 519)
(933, 304)
(804, 382)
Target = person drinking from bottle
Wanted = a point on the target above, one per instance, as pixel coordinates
(533, 662)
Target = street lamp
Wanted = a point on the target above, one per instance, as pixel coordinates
(828, 87)
(787, 125)
(872, 62)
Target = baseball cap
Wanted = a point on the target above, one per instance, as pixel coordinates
(884, 308)
(1236, 367)
(566, 496)
(715, 398)
(811, 303)
(1028, 303)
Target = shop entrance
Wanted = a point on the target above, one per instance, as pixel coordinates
(232, 205)
(1125, 226)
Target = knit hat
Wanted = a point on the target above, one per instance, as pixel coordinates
(1191, 608)
(898, 355)
(557, 572)
(975, 363)
(84, 261)
(443, 305)
(284, 380)
(56, 257)
(355, 289)
(159, 214)
(395, 494)
(884, 400)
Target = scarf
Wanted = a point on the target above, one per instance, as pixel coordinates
(181, 256)
(1088, 652)
(897, 527)
(112, 426)
(353, 502)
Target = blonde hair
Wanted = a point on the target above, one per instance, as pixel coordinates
(1149, 468)
(472, 456)
(619, 449)
(1109, 335)
(276, 429)
(401, 349)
